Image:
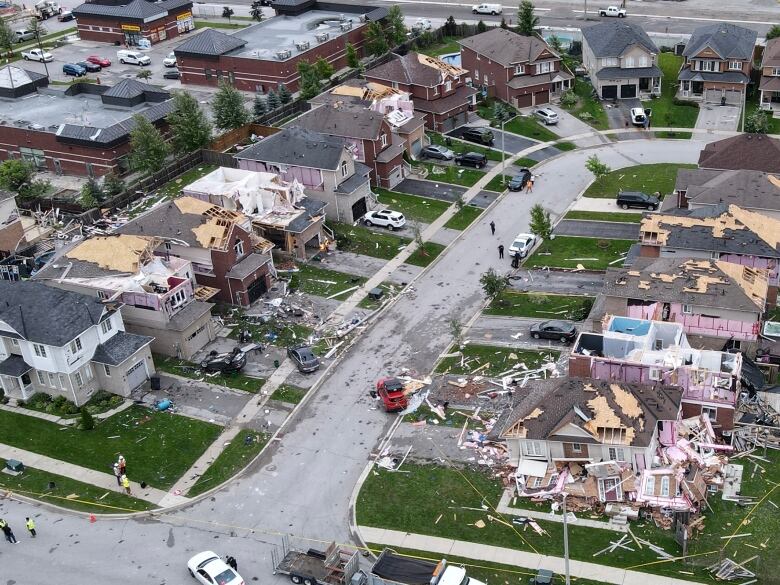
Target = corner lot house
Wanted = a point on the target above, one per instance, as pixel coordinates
(621, 60)
(65, 343)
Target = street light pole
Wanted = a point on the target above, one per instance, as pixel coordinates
(503, 151)
(566, 542)
(38, 38)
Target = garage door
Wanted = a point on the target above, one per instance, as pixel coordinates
(359, 208)
(417, 146)
(609, 92)
(542, 97)
(257, 289)
(524, 101)
(136, 375)
(714, 96)
(628, 91)
(395, 177)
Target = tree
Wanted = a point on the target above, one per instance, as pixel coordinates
(493, 284)
(757, 122)
(481, 27)
(353, 60)
(568, 99)
(323, 68)
(144, 74)
(228, 108)
(227, 12)
(14, 173)
(148, 148)
(501, 112)
(273, 100)
(527, 21)
(87, 422)
(91, 193)
(309, 85)
(256, 11)
(284, 94)
(190, 128)
(376, 43)
(37, 27)
(7, 36)
(540, 223)
(450, 28)
(259, 107)
(555, 43)
(575, 49)
(456, 329)
(774, 32)
(595, 166)
(112, 185)
(396, 29)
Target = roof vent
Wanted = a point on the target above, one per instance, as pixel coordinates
(282, 55)
(302, 45)
(345, 26)
(322, 37)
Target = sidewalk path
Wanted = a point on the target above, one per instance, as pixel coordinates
(515, 558)
(601, 204)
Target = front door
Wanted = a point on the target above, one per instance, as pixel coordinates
(611, 488)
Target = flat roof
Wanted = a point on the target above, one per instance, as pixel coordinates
(265, 39)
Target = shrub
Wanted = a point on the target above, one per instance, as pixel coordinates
(568, 99)
(586, 116)
(87, 422)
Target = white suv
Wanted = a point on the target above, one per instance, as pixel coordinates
(638, 116)
(523, 244)
(133, 58)
(388, 218)
(547, 115)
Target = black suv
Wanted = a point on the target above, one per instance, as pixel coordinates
(478, 135)
(471, 159)
(626, 199)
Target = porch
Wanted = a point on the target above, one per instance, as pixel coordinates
(769, 94)
(15, 378)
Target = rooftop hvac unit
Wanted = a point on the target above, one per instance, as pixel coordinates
(345, 26)
(322, 37)
(285, 54)
(302, 45)
(363, 18)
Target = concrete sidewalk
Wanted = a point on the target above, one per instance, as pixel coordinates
(606, 204)
(514, 558)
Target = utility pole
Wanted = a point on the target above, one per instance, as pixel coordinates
(566, 542)
(503, 151)
(38, 38)
(585, 12)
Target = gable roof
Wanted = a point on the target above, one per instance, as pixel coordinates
(704, 283)
(210, 42)
(414, 69)
(137, 9)
(752, 190)
(609, 412)
(48, 315)
(612, 38)
(347, 120)
(771, 57)
(297, 147)
(119, 348)
(506, 47)
(754, 152)
(729, 41)
(130, 88)
(728, 229)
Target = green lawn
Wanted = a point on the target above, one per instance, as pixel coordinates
(498, 183)
(425, 255)
(289, 394)
(323, 282)
(172, 189)
(542, 306)
(413, 207)
(361, 240)
(588, 108)
(569, 252)
(159, 446)
(68, 493)
(445, 47)
(667, 113)
(464, 176)
(605, 216)
(192, 370)
(101, 401)
(237, 455)
(499, 358)
(752, 105)
(276, 332)
(464, 217)
(659, 177)
(217, 24)
(526, 163)
(529, 126)
(458, 146)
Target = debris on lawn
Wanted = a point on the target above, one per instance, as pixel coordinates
(729, 570)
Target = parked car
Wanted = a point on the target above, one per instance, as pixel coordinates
(487, 9)
(207, 568)
(385, 218)
(24, 35)
(563, 331)
(304, 358)
(65, 16)
(547, 115)
(437, 152)
(74, 69)
(133, 58)
(471, 159)
(172, 74)
(226, 363)
(626, 199)
(613, 11)
(479, 135)
(37, 55)
(89, 67)
(638, 116)
(422, 24)
(170, 60)
(102, 61)
(523, 244)
(520, 180)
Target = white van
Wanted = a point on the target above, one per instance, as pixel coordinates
(487, 9)
(133, 57)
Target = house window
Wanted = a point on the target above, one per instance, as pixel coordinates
(576, 448)
(107, 370)
(102, 295)
(537, 482)
(344, 168)
(687, 310)
(650, 485)
(617, 454)
(168, 246)
(447, 85)
(88, 371)
(41, 378)
(383, 140)
(665, 486)
(735, 65)
(710, 411)
(40, 350)
(14, 342)
(715, 255)
(533, 448)
(519, 69)
(178, 298)
(629, 62)
(706, 66)
(395, 85)
(655, 374)
(553, 479)
(545, 67)
(239, 248)
(106, 326)
(75, 345)
(476, 74)
(643, 61)
(776, 71)
(484, 79)
(79, 379)
(52, 380)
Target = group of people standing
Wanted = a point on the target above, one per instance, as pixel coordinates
(9, 533)
(120, 472)
(516, 257)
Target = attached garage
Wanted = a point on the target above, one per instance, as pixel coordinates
(359, 209)
(417, 146)
(257, 289)
(714, 96)
(542, 97)
(136, 375)
(609, 92)
(395, 177)
(524, 101)
(628, 91)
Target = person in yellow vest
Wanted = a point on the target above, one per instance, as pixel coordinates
(126, 484)
(30, 524)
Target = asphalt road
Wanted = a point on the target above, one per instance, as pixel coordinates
(603, 229)
(513, 331)
(443, 191)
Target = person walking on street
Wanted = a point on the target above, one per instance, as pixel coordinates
(126, 485)
(529, 186)
(9, 534)
(492, 228)
(232, 562)
(117, 474)
(30, 524)
(501, 251)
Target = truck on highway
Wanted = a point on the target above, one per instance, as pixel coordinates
(612, 11)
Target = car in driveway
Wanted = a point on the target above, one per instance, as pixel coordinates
(638, 116)
(471, 159)
(547, 115)
(520, 180)
(479, 135)
(626, 199)
(207, 568)
(89, 67)
(388, 218)
(522, 244)
(437, 152)
(74, 69)
(172, 74)
(226, 363)
(97, 60)
(562, 331)
(304, 358)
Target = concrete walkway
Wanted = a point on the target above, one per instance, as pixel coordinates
(61, 420)
(606, 204)
(106, 481)
(515, 558)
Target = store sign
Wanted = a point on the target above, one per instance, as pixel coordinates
(184, 16)
(131, 27)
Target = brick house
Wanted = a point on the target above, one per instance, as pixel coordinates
(718, 63)
(523, 71)
(127, 23)
(438, 89)
(769, 86)
(219, 243)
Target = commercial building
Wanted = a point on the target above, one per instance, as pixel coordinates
(131, 23)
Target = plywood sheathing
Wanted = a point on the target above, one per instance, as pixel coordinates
(518, 429)
(628, 404)
(605, 420)
(192, 205)
(445, 68)
(370, 91)
(213, 233)
(774, 180)
(753, 281)
(122, 253)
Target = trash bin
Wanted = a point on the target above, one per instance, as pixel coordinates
(375, 294)
(723, 100)
(276, 363)
(155, 380)
(14, 466)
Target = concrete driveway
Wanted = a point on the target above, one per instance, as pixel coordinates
(513, 143)
(609, 230)
(568, 283)
(570, 125)
(717, 117)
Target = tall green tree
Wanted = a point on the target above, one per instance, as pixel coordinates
(273, 100)
(757, 122)
(228, 108)
(227, 12)
(14, 173)
(323, 68)
(256, 11)
(376, 42)
(481, 27)
(144, 74)
(7, 37)
(774, 32)
(493, 284)
(527, 21)
(503, 23)
(259, 107)
(555, 44)
(396, 29)
(148, 148)
(91, 193)
(450, 28)
(540, 223)
(112, 184)
(353, 60)
(37, 26)
(309, 85)
(595, 166)
(284, 94)
(190, 128)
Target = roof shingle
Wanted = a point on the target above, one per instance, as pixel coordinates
(297, 147)
(728, 40)
(506, 47)
(611, 39)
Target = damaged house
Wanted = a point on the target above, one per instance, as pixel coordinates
(280, 211)
(159, 295)
(654, 352)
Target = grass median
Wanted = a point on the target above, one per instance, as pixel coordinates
(236, 455)
(572, 252)
(361, 240)
(541, 306)
(652, 178)
(464, 217)
(417, 208)
(237, 381)
(498, 358)
(453, 174)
